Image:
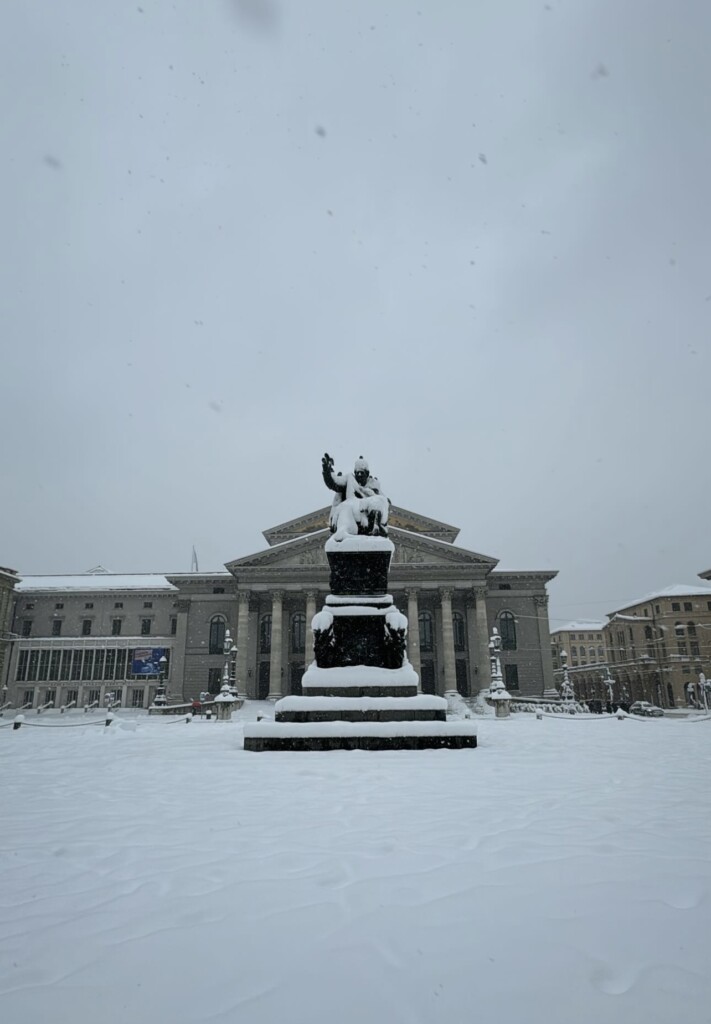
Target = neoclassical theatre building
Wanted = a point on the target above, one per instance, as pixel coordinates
(78, 638)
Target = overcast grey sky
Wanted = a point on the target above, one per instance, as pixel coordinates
(470, 241)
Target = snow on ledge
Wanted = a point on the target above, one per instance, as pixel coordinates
(422, 702)
(276, 730)
(358, 544)
(359, 675)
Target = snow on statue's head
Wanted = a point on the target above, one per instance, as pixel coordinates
(360, 470)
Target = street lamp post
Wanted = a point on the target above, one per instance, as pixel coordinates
(160, 699)
(566, 689)
(229, 672)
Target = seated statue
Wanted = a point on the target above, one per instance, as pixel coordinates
(359, 506)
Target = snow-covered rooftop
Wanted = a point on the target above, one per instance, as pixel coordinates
(580, 627)
(676, 590)
(96, 582)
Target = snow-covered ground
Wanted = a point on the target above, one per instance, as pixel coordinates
(155, 872)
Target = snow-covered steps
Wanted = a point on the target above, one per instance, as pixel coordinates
(359, 681)
(341, 735)
(421, 708)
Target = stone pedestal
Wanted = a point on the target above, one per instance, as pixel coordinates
(361, 691)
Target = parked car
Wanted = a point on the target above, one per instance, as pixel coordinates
(643, 707)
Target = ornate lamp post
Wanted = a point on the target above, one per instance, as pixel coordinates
(160, 699)
(228, 675)
(566, 688)
(497, 691)
(609, 684)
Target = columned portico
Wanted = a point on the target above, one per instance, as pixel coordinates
(242, 641)
(275, 660)
(310, 612)
(482, 635)
(450, 668)
(413, 634)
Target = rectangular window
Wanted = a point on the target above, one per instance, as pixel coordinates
(43, 665)
(504, 586)
(21, 674)
(121, 663)
(137, 698)
(89, 604)
(218, 590)
(110, 665)
(33, 663)
(94, 696)
(28, 697)
(29, 606)
(695, 650)
(511, 677)
(145, 627)
(54, 665)
(57, 627)
(26, 627)
(147, 604)
(86, 627)
(76, 665)
(72, 696)
(173, 626)
(676, 607)
(688, 606)
(87, 669)
(99, 664)
(118, 604)
(681, 648)
(50, 697)
(116, 627)
(58, 607)
(656, 609)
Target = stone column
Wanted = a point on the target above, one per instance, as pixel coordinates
(482, 638)
(275, 661)
(310, 612)
(450, 673)
(544, 640)
(242, 641)
(413, 634)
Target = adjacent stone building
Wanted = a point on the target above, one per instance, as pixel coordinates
(8, 580)
(82, 637)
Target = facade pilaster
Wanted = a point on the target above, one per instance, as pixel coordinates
(482, 637)
(544, 642)
(413, 634)
(310, 612)
(242, 642)
(450, 673)
(276, 659)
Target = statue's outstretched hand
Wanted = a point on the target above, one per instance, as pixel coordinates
(327, 462)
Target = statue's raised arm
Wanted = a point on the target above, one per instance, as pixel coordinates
(328, 478)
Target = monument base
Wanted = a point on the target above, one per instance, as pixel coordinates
(342, 735)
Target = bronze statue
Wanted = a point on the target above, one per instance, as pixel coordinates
(359, 506)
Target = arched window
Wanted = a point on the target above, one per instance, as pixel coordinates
(265, 634)
(507, 629)
(691, 629)
(573, 651)
(217, 634)
(424, 621)
(582, 652)
(460, 642)
(298, 634)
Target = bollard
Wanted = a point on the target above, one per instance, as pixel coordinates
(19, 719)
(188, 717)
(109, 719)
(539, 716)
(621, 715)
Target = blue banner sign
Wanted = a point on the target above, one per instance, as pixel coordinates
(146, 661)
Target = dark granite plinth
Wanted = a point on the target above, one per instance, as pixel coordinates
(359, 640)
(362, 573)
(356, 715)
(360, 691)
(454, 742)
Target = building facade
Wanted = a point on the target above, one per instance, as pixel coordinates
(8, 581)
(655, 649)
(82, 637)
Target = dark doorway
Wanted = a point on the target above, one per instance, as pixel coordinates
(427, 677)
(462, 677)
(263, 682)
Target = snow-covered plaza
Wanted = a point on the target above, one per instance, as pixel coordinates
(154, 871)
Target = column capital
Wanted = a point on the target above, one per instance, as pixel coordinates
(479, 589)
(412, 592)
(446, 593)
(277, 595)
(243, 596)
(311, 595)
(540, 600)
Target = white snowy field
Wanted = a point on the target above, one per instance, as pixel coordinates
(155, 872)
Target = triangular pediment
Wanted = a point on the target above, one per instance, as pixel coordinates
(401, 518)
(410, 549)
